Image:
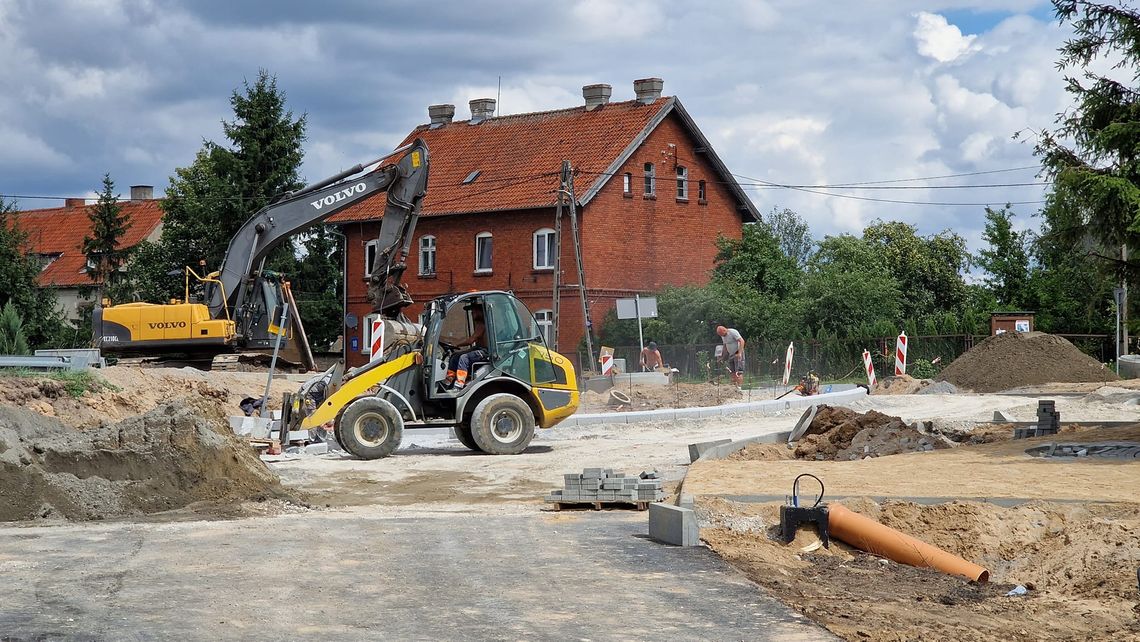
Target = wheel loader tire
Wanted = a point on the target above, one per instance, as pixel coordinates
(463, 434)
(502, 424)
(370, 428)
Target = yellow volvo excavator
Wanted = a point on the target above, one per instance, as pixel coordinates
(242, 300)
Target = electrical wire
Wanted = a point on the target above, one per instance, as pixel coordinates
(796, 489)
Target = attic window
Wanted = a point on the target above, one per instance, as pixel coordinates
(471, 177)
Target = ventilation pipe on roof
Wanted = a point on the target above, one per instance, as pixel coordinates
(142, 192)
(596, 95)
(648, 89)
(441, 114)
(481, 109)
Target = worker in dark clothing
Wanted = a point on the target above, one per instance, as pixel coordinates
(459, 365)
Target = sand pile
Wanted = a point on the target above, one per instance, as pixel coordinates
(164, 459)
(1016, 359)
(899, 385)
(1077, 559)
(126, 391)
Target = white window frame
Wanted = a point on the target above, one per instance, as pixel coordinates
(627, 183)
(650, 179)
(371, 247)
(366, 333)
(549, 247)
(427, 246)
(483, 269)
(682, 182)
(545, 321)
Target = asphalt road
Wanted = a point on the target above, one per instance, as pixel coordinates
(364, 574)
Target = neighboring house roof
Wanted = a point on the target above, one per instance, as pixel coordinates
(60, 231)
(518, 158)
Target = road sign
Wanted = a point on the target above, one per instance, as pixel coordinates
(630, 308)
(1118, 294)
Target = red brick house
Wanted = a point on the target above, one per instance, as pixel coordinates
(652, 199)
(55, 237)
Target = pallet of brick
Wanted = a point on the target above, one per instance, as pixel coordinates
(600, 487)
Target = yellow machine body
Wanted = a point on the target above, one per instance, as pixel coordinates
(142, 325)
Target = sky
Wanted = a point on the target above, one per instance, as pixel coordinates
(792, 92)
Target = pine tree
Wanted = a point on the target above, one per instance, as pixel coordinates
(1096, 176)
(12, 337)
(108, 225)
(210, 199)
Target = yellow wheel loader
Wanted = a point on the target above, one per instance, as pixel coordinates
(517, 384)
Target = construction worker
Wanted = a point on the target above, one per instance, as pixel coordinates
(650, 357)
(460, 362)
(733, 352)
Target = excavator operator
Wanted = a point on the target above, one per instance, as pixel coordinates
(460, 362)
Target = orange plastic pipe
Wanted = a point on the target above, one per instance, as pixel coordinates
(866, 534)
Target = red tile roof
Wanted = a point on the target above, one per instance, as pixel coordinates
(60, 230)
(518, 157)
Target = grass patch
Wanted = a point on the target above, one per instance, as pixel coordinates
(75, 382)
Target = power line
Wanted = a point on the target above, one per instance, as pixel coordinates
(895, 187)
(902, 202)
(930, 178)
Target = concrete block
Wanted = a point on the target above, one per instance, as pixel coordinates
(612, 484)
(591, 484)
(687, 501)
(591, 473)
(316, 449)
(698, 449)
(673, 525)
(572, 477)
(649, 474)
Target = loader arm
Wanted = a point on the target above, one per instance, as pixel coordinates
(405, 181)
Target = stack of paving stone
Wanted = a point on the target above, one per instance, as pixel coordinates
(603, 485)
(1048, 421)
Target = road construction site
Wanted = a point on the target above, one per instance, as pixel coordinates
(134, 510)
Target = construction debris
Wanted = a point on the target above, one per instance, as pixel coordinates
(603, 486)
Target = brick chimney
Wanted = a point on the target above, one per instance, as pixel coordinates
(596, 95)
(441, 114)
(74, 202)
(648, 89)
(142, 192)
(481, 109)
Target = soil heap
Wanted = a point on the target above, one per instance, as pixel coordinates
(165, 459)
(838, 433)
(1015, 359)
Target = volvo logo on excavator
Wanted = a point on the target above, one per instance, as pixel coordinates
(167, 325)
(333, 199)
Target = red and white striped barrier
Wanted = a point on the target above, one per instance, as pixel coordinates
(376, 341)
(788, 363)
(607, 364)
(900, 355)
(869, 367)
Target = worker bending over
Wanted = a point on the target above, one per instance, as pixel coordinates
(650, 357)
(733, 352)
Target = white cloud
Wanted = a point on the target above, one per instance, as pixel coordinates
(938, 39)
(602, 19)
(21, 151)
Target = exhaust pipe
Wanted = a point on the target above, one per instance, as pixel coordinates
(866, 534)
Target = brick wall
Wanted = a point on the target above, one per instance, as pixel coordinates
(631, 244)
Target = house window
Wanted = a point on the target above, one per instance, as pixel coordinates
(366, 333)
(483, 252)
(370, 256)
(545, 319)
(544, 249)
(627, 183)
(650, 176)
(682, 183)
(427, 255)
(701, 191)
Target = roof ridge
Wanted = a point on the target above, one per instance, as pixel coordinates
(548, 112)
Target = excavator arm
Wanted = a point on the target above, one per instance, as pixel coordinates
(405, 181)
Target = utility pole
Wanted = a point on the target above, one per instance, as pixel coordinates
(554, 308)
(1123, 349)
(568, 185)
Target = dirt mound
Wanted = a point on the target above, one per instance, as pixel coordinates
(677, 395)
(124, 391)
(164, 459)
(1078, 561)
(899, 385)
(1016, 359)
(838, 433)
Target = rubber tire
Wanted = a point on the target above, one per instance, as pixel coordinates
(463, 434)
(490, 410)
(363, 409)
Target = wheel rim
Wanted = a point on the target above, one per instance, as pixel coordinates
(371, 429)
(506, 426)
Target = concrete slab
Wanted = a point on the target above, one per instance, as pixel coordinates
(696, 450)
(673, 525)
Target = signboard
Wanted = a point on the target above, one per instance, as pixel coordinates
(629, 308)
(1118, 294)
(1021, 325)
